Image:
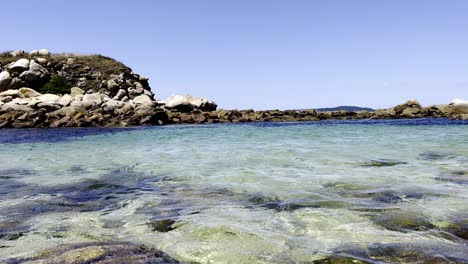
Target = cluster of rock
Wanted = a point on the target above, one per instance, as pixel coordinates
(108, 93)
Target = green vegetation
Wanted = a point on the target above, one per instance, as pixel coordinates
(57, 85)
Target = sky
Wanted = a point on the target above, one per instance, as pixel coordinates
(264, 54)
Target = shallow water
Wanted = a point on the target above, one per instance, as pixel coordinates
(245, 193)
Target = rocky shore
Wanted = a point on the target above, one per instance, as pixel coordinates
(40, 89)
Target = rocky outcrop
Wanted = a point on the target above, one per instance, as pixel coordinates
(188, 103)
(104, 92)
(91, 73)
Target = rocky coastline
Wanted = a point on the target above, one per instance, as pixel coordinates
(43, 90)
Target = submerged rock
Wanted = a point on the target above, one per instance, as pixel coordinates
(162, 225)
(382, 163)
(100, 253)
(403, 221)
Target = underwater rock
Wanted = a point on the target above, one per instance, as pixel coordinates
(403, 221)
(459, 177)
(382, 163)
(415, 253)
(162, 225)
(432, 155)
(99, 253)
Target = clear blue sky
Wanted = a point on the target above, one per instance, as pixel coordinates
(264, 54)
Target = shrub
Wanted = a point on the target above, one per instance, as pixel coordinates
(57, 85)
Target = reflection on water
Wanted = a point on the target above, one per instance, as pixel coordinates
(365, 191)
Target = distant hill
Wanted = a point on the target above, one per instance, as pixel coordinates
(346, 108)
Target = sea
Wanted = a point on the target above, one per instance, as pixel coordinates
(373, 190)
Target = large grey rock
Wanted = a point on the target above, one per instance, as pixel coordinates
(459, 106)
(176, 101)
(17, 53)
(112, 85)
(94, 98)
(43, 52)
(35, 73)
(12, 93)
(112, 105)
(5, 80)
(19, 65)
(12, 106)
(27, 93)
(50, 98)
(30, 76)
(120, 94)
(188, 103)
(74, 91)
(65, 100)
(143, 100)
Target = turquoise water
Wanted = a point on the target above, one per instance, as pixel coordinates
(246, 193)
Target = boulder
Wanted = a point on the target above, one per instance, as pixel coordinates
(112, 85)
(48, 98)
(12, 106)
(413, 103)
(42, 60)
(19, 65)
(69, 111)
(5, 80)
(143, 100)
(27, 93)
(94, 98)
(12, 93)
(459, 106)
(36, 74)
(411, 112)
(34, 52)
(17, 83)
(188, 103)
(17, 53)
(120, 94)
(74, 91)
(43, 52)
(65, 100)
(112, 105)
(179, 102)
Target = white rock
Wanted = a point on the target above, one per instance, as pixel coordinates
(70, 60)
(177, 100)
(83, 104)
(459, 106)
(34, 66)
(27, 93)
(19, 65)
(44, 52)
(16, 107)
(94, 98)
(5, 80)
(112, 105)
(112, 84)
(74, 91)
(17, 53)
(30, 76)
(51, 98)
(42, 60)
(65, 100)
(120, 94)
(12, 93)
(143, 100)
(34, 52)
(197, 101)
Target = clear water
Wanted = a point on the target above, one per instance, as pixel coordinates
(246, 193)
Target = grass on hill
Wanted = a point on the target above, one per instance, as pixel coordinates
(96, 62)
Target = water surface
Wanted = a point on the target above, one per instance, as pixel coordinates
(245, 193)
